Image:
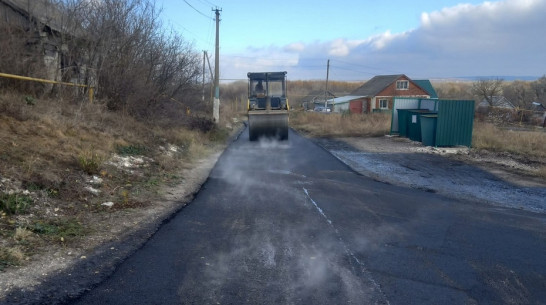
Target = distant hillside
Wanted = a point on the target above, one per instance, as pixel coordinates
(504, 77)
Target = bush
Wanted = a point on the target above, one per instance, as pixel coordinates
(202, 124)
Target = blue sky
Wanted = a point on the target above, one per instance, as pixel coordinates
(419, 38)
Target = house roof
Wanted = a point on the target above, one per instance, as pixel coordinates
(376, 85)
(427, 86)
(317, 94)
(536, 106)
(498, 101)
(343, 99)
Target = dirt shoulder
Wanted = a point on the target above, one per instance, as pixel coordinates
(58, 274)
(495, 178)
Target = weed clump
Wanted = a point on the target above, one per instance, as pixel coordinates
(90, 162)
(58, 229)
(13, 256)
(12, 204)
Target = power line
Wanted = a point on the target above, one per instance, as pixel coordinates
(206, 16)
(208, 3)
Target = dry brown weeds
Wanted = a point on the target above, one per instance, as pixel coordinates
(529, 145)
(522, 142)
(341, 125)
(50, 148)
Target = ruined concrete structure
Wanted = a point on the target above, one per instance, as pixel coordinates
(47, 31)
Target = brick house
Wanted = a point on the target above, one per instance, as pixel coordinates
(377, 94)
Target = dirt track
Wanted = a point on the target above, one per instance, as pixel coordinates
(498, 179)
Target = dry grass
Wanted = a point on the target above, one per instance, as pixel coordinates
(341, 125)
(11, 256)
(51, 147)
(542, 172)
(54, 134)
(490, 137)
(23, 234)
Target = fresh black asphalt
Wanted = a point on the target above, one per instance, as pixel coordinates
(287, 223)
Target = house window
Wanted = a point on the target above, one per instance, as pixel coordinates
(402, 85)
(383, 104)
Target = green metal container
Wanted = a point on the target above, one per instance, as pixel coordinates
(414, 124)
(428, 129)
(403, 119)
(455, 123)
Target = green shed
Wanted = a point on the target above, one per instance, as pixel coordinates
(453, 125)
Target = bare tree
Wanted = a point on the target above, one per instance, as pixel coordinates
(136, 62)
(454, 90)
(519, 93)
(539, 89)
(487, 89)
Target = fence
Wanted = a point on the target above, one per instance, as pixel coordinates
(90, 91)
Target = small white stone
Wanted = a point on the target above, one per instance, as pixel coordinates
(92, 190)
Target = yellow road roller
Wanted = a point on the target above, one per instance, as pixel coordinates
(267, 105)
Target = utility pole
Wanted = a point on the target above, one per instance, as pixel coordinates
(204, 63)
(326, 90)
(216, 104)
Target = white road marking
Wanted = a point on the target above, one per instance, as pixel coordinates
(347, 250)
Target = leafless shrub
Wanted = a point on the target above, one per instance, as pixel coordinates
(139, 63)
(119, 47)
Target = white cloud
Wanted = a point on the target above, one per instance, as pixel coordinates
(258, 59)
(342, 47)
(295, 47)
(493, 38)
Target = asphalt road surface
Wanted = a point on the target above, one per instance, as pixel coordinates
(287, 223)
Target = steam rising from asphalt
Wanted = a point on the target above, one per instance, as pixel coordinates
(276, 256)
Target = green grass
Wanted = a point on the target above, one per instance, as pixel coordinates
(12, 204)
(57, 229)
(131, 150)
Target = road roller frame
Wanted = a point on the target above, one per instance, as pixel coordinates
(267, 105)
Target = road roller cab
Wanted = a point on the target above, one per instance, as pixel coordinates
(267, 105)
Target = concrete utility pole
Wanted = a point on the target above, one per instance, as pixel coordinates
(326, 90)
(204, 65)
(216, 104)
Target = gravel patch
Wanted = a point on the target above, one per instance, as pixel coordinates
(455, 172)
